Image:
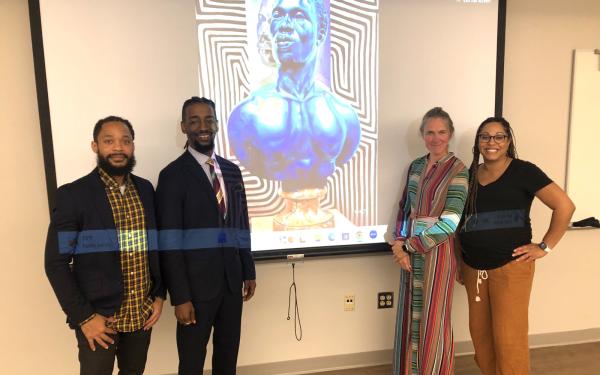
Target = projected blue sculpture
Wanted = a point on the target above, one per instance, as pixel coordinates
(296, 130)
(263, 33)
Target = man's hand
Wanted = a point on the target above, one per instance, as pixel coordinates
(156, 311)
(185, 313)
(249, 288)
(96, 331)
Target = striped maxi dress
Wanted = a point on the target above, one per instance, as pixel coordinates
(430, 210)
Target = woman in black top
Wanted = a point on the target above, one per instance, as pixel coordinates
(498, 255)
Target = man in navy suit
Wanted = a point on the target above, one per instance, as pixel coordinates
(101, 256)
(205, 244)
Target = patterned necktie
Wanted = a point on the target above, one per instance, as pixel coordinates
(217, 188)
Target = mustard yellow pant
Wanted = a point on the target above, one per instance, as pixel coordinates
(498, 316)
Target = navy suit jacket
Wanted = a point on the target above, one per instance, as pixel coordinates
(82, 257)
(201, 252)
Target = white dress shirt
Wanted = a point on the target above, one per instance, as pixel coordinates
(202, 159)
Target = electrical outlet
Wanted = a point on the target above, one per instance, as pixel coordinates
(349, 302)
(385, 300)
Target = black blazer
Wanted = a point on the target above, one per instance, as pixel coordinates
(82, 258)
(200, 252)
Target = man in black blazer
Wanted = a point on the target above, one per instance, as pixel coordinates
(101, 257)
(205, 244)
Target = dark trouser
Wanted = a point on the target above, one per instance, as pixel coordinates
(224, 313)
(130, 349)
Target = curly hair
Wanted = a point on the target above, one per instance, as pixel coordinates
(101, 122)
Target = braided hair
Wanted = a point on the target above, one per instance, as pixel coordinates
(473, 169)
(196, 100)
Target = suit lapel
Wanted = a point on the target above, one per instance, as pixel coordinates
(192, 166)
(144, 197)
(225, 172)
(102, 206)
(101, 200)
(233, 185)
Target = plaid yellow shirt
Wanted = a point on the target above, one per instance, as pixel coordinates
(130, 223)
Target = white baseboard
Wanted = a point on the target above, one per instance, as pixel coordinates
(542, 340)
(383, 357)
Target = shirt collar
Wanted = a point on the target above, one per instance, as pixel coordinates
(446, 157)
(200, 157)
(109, 181)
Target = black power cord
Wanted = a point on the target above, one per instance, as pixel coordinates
(297, 323)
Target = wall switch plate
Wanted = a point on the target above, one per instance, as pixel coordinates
(385, 300)
(349, 302)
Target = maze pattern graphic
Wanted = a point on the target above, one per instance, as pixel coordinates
(224, 75)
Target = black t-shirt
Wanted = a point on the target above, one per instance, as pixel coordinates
(501, 222)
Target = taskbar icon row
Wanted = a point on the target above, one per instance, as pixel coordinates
(317, 237)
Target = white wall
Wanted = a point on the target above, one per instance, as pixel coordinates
(35, 338)
(541, 35)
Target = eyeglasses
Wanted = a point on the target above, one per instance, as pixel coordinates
(498, 138)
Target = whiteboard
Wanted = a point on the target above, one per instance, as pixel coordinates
(583, 159)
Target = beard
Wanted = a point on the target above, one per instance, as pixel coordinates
(202, 148)
(104, 163)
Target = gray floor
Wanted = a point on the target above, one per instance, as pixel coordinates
(582, 359)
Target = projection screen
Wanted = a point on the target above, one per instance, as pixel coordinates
(322, 175)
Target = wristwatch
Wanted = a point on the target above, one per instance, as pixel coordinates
(405, 249)
(544, 247)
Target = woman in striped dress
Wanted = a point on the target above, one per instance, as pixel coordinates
(430, 209)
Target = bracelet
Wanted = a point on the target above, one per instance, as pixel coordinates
(88, 319)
